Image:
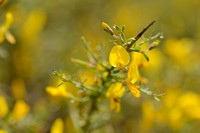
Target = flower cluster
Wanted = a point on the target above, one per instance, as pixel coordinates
(101, 79)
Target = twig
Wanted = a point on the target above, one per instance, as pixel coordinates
(140, 34)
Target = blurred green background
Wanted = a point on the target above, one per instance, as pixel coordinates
(48, 35)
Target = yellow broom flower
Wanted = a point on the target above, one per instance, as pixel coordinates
(115, 92)
(133, 76)
(119, 57)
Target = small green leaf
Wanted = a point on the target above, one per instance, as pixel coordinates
(146, 57)
(131, 39)
(123, 28)
(137, 48)
(116, 71)
(145, 40)
(60, 84)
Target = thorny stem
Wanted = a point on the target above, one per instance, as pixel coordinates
(90, 52)
(140, 34)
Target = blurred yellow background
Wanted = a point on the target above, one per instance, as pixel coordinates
(48, 35)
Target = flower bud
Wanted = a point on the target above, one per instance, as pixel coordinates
(107, 28)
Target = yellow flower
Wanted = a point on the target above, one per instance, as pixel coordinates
(3, 107)
(58, 126)
(2, 131)
(57, 91)
(20, 110)
(119, 57)
(33, 25)
(66, 89)
(115, 91)
(138, 59)
(189, 103)
(88, 77)
(133, 76)
(134, 89)
(107, 28)
(179, 50)
(5, 27)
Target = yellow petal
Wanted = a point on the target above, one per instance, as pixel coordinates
(112, 104)
(3, 107)
(58, 126)
(20, 110)
(118, 107)
(115, 104)
(116, 90)
(33, 25)
(138, 58)
(134, 90)
(57, 91)
(119, 57)
(107, 28)
(88, 77)
(8, 22)
(133, 73)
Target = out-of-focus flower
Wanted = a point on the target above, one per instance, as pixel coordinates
(115, 92)
(18, 89)
(178, 50)
(176, 110)
(4, 29)
(88, 77)
(189, 104)
(63, 90)
(20, 110)
(57, 91)
(133, 76)
(119, 57)
(101, 69)
(2, 131)
(3, 107)
(148, 114)
(33, 25)
(58, 126)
